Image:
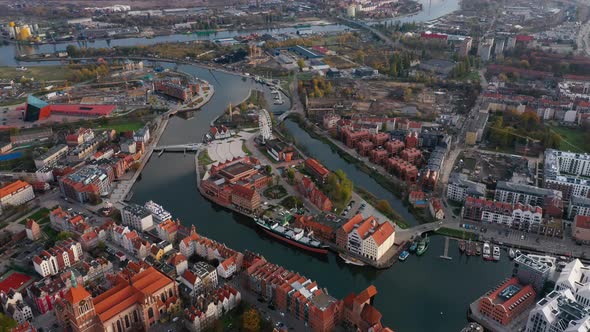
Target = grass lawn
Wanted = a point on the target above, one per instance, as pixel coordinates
(576, 136)
(122, 127)
(245, 149)
(204, 158)
(40, 73)
(41, 214)
(457, 233)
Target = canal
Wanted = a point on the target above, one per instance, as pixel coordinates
(412, 295)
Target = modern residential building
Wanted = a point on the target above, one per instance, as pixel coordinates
(366, 237)
(575, 276)
(507, 301)
(559, 312)
(531, 271)
(568, 172)
(460, 187)
(86, 184)
(15, 194)
(137, 217)
(157, 211)
(511, 192)
(578, 206)
(51, 157)
(518, 216)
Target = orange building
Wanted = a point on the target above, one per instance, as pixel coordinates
(134, 303)
(317, 170)
(358, 312)
(507, 301)
(245, 198)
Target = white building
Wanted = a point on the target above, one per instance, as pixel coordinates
(15, 194)
(158, 212)
(15, 307)
(58, 258)
(567, 172)
(575, 277)
(142, 135)
(367, 237)
(137, 217)
(559, 312)
(459, 187)
(51, 157)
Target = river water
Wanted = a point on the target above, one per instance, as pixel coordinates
(412, 294)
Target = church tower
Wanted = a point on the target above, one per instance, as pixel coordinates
(78, 308)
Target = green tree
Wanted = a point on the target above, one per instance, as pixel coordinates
(6, 323)
(384, 207)
(251, 320)
(63, 235)
(301, 64)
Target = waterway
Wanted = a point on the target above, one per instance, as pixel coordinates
(431, 9)
(412, 294)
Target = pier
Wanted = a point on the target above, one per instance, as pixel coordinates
(445, 254)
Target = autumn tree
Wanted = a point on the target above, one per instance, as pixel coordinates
(251, 320)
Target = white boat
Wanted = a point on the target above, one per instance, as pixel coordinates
(21, 68)
(487, 253)
(511, 253)
(496, 253)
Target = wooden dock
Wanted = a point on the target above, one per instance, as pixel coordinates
(445, 254)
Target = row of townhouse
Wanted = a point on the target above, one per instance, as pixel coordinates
(518, 215)
(56, 259)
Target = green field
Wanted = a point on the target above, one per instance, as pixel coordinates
(573, 139)
(123, 127)
(41, 73)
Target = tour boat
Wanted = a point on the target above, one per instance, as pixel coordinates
(511, 253)
(461, 246)
(351, 260)
(478, 249)
(422, 246)
(413, 246)
(293, 236)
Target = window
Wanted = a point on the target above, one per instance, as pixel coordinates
(150, 313)
(127, 321)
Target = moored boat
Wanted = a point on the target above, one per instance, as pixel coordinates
(404, 255)
(511, 253)
(422, 246)
(413, 246)
(351, 260)
(293, 236)
(461, 246)
(496, 253)
(478, 249)
(487, 251)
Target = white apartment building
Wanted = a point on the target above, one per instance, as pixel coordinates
(51, 157)
(567, 172)
(559, 312)
(459, 187)
(16, 193)
(137, 217)
(575, 276)
(158, 212)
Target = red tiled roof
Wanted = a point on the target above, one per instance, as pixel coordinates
(13, 187)
(352, 222)
(582, 221)
(317, 167)
(371, 315)
(383, 232)
(366, 295)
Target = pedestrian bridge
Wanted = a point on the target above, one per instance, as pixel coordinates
(181, 147)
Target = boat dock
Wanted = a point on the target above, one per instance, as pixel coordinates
(445, 254)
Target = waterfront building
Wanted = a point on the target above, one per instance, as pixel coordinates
(56, 259)
(358, 311)
(518, 216)
(460, 187)
(394, 146)
(177, 89)
(52, 156)
(559, 312)
(87, 184)
(581, 229)
(33, 230)
(157, 211)
(137, 216)
(280, 151)
(567, 172)
(531, 271)
(167, 230)
(578, 206)
(245, 199)
(135, 302)
(366, 237)
(15, 194)
(507, 301)
(142, 135)
(317, 170)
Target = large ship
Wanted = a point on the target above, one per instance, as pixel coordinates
(293, 236)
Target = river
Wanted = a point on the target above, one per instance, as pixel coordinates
(412, 294)
(431, 9)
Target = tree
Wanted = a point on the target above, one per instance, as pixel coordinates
(6, 323)
(384, 207)
(251, 320)
(268, 169)
(290, 175)
(408, 94)
(301, 64)
(63, 235)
